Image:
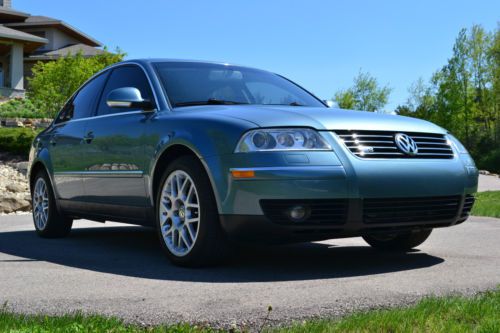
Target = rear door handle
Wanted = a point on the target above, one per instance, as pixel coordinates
(89, 137)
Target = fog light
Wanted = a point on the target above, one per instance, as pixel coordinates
(298, 213)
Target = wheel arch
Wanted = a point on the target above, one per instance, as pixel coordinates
(36, 167)
(167, 156)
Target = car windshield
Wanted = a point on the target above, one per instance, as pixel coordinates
(190, 83)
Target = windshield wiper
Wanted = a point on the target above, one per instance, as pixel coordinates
(290, 104)
(211, 101)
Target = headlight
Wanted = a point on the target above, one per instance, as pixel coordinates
(458, 145)
(464, 154)
(278, 139)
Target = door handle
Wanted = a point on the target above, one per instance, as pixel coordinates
(53, 141)
(89, 137)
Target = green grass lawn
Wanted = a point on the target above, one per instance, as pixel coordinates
(487, 204)
(452, 314)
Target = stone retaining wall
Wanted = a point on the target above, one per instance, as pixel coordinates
(25, 122)
(14, 191)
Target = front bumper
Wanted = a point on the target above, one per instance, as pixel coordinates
(336, 175)
(358, 220)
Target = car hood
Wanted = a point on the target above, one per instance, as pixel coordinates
(319, 118)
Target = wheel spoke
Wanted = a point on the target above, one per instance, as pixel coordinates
(192, 220)
(190, 232)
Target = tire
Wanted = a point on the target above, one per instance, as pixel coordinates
(397, 242)
(187, 221)
(48, 221)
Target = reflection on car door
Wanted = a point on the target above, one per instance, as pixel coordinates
(114, 153)
(66, 140)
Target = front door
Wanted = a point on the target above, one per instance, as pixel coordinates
(114, 150)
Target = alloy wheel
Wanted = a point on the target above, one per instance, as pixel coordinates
(41, 204)
(179, 213)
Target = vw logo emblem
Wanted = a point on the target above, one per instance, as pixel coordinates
(406, 144)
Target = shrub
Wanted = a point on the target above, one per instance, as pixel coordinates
(17, 140)
(490, 161)
(54, 82)
(20, 108)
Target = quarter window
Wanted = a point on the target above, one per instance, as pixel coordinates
(124, 76)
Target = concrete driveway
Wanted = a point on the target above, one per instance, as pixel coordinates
(488, 183)
(118, 270)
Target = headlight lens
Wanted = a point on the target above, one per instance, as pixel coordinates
(464, 154)
(458, 145)
(278, 139)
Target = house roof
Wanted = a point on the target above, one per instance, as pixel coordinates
(31, 42)
(36, 21)
(10, 15)
(86, 50)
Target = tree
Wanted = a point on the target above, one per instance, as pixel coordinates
(365, 94)
(54, 82)
(463, 96)
(493, 56)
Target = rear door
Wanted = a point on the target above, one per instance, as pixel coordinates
(67, 138)
(114, 153)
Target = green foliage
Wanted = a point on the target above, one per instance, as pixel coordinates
(464, 95)
(451, 314)
(55, 81)
(448, 314)
(489, 160)
(487, 204)
(365, 94)
(20, 108)
(77, 323)
(17, 140)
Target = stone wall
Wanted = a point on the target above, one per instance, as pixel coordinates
(14, 191)
(25, 122)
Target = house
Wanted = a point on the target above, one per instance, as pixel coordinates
(26, 39)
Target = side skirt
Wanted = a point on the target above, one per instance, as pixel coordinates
(107, 212)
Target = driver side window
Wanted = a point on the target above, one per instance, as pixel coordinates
(124, 76)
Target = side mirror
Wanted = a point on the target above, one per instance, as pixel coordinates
(128, 97)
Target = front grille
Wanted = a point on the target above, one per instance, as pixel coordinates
(401, 210)
(468, 204)
(381, 144)
(321, 211)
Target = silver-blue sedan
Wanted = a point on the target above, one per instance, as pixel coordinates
(207, 153)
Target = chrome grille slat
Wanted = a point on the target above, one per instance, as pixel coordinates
(433, 148)
(416, 138)
(381, 144)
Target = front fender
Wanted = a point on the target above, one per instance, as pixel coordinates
(205, 136)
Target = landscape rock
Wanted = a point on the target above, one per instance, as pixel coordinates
(16, 187)
(14, 191)
(22, 167)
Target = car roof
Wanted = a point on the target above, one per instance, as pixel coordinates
(158, 60)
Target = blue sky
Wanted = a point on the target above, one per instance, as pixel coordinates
(319, 44)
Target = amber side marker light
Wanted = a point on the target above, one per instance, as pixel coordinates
(243, 174)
